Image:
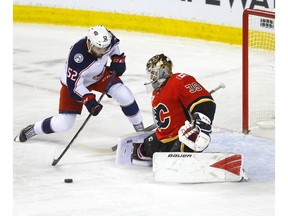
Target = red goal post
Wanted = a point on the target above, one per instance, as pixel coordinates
(258, 62)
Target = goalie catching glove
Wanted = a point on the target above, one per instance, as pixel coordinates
(196, 135)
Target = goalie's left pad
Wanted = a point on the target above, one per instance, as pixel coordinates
(125, 146)
(198, 167)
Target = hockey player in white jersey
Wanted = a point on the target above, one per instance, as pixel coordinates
(86, 70)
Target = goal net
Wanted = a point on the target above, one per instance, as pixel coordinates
(258, 69)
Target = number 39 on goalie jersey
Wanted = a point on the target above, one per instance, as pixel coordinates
(174, 102)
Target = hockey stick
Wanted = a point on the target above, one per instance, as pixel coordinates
(55, 161)
(153, 126)
(221, 85)
(149, 128)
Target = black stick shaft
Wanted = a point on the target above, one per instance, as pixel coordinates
(55, 161)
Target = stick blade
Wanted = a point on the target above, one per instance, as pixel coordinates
(16, 138)
(114, 148)
(54, 163)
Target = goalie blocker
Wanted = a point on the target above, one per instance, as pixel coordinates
(187, 167)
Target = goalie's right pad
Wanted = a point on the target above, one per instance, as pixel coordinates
(187, 167)
(196, 135)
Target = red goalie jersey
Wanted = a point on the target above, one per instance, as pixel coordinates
(174, 103)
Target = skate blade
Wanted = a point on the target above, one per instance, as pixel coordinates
(16, 138)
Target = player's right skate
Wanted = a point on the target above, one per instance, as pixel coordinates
(25, 134)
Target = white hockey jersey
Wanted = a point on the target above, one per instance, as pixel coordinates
(82, 69)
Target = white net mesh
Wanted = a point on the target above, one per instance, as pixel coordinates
(261, 70)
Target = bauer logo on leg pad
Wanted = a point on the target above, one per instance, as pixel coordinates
(179, 155)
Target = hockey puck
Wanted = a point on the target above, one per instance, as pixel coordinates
(69, 180)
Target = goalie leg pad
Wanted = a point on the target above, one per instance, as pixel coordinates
(125, 147)
(198, 167)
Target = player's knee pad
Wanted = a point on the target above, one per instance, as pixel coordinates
(62, 122)
(127, 102)
(122, 94)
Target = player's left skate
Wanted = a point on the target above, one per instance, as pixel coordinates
(139, 127)
(25, 134)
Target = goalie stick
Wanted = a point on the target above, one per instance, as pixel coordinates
(55, 161)
(221, 85)
(153, 126)
(149, 128)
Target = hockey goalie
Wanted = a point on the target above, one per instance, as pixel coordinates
(183, 111)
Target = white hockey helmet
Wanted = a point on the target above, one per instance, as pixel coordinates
(99, 40)
(159, 69)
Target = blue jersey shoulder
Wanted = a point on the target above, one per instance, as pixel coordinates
(114, 41)
(79, 57)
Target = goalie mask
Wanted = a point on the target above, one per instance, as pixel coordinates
(159, 69)
(99, 40)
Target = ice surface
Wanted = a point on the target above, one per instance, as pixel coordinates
(101, 188)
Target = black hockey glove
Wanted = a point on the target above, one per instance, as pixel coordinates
(118, 64)
(89, 100)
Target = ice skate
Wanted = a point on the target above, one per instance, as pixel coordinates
(25, 134)
(139, 127)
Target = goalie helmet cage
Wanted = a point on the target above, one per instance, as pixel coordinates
(258, 74)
